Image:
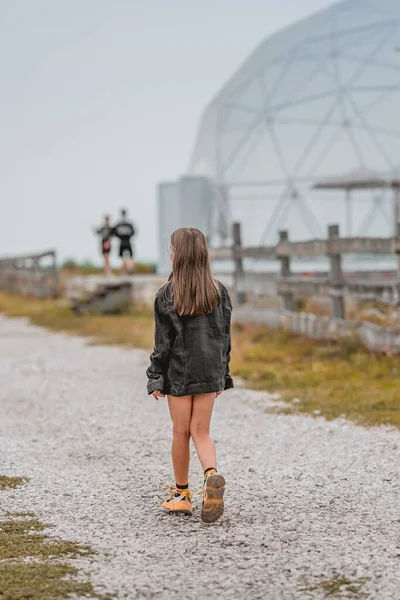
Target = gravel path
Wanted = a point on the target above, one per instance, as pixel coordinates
(305, 498)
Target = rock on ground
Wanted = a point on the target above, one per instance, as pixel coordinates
(305, 498)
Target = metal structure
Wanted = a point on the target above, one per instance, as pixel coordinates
(365, 179)
(317, 98)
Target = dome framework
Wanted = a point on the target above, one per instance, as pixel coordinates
(317, 99)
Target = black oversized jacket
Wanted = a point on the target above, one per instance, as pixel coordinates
(191, 354)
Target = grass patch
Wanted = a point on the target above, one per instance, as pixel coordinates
(30, 564)
(72, 268)
(41, 581)
(24, 538)
(339, 586)
(10, 482)
(372, 312)
(134, 328)
(333, 379)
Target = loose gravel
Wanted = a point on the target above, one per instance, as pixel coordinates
(305, 498)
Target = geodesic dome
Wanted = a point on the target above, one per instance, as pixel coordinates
(317, 99)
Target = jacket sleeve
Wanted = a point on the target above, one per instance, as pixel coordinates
(228, 378)
(159, 359)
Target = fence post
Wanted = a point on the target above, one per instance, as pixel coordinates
(238, 261)
(54, 272)
(336, 278)
(396, 201)
(285, 272)
(397, 251)
(41, 278)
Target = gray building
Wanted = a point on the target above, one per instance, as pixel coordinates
(187, 202)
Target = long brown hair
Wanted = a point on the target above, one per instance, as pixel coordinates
(194, 289)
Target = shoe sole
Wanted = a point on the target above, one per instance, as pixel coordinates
(178, 512)
(182, 512)
(213, 505)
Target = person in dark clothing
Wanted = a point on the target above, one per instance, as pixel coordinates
(124, 231)
(190, 364)
(106, 233)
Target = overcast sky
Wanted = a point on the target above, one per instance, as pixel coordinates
(100, 100)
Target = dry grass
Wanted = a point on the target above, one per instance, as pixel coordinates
(134, 328)
(335, 379)
(371, 312)
(72, 268)
(332, 379)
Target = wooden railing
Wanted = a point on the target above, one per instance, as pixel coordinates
(31, 275)
(337, 285)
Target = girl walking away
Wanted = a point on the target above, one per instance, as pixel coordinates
(190, 364)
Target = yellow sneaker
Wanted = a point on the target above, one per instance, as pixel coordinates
(179, 502)
(213, 503)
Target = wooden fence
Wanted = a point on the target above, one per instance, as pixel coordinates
(379, 286)
(31, 275)
(383, 287)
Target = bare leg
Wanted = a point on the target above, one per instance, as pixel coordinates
(180, 410)
(107, 267)
(131, 265)
(203, 405)
(214, 484)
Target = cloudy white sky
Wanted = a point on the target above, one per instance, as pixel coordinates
(100, 100)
